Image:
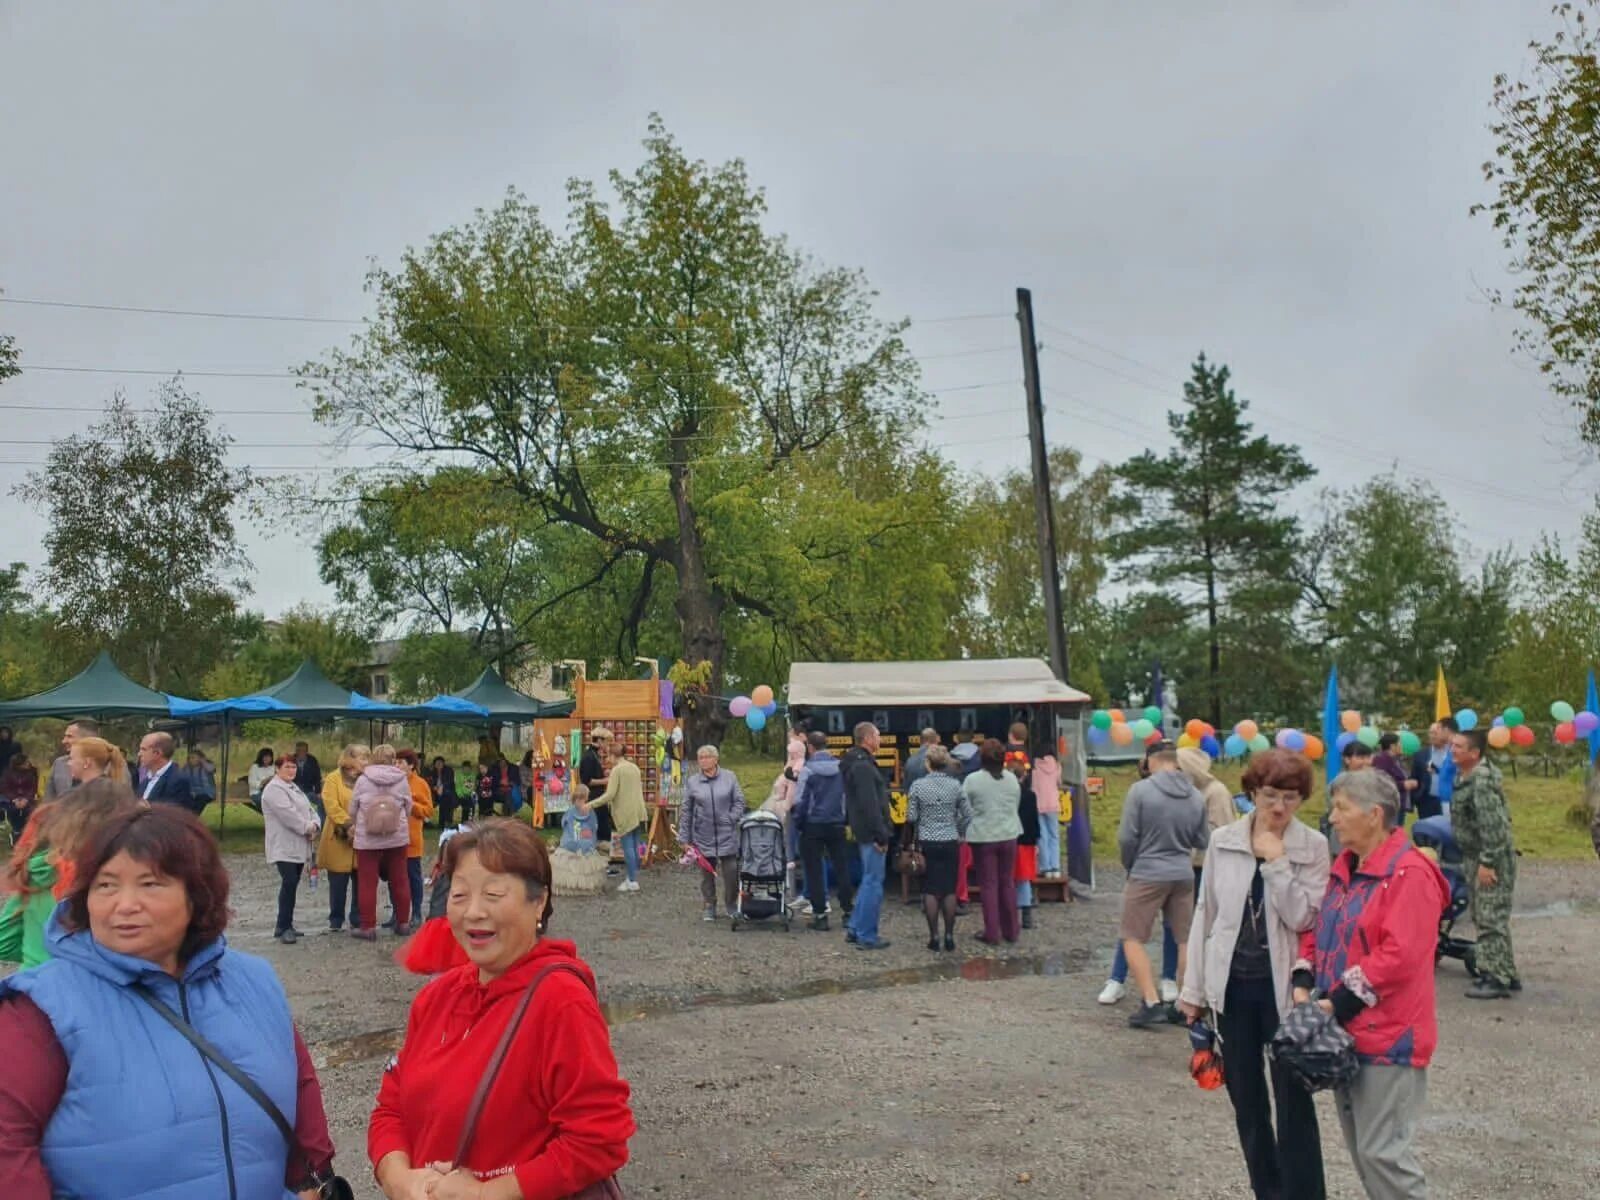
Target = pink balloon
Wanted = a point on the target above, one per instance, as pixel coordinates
(739, 705)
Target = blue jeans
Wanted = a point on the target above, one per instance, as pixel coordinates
(630, 854)
(414, 874)
(1024, 895)
(869, 899)
(1169, 958)
(1049, 842)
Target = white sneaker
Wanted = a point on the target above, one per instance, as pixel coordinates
(1112, 992)
(628, 885)
(1169, 991)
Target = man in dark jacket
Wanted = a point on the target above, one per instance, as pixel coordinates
(819, 816)
(308, 776)
(164, 783)
(866, 800)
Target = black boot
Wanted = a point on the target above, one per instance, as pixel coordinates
(1488, 989)
(1027, 918)
(819, 924)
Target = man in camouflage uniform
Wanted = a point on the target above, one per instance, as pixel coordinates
(1482, 824)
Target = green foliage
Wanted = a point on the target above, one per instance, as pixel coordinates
(1553, 636)
(1546, 177)
(1208, 514)
(141, 554)
(270, 651)
(430, 663)
(9, 354)
(27, 664)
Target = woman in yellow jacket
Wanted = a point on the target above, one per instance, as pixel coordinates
(336, 855)
(421, 810)
(625, 795)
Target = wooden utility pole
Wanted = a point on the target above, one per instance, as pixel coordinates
(1044, 508)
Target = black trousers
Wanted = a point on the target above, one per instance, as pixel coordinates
(447, 811)
(1288, 1166)
(288, 883)
(813, 842)
(342, 898)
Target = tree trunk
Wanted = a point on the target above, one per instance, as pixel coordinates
(699, 607)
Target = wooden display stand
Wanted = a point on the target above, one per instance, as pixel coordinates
(631, 710)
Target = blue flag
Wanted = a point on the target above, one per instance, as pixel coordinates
(1330, 723)
(1593, 705)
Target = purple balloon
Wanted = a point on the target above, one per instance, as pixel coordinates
(739, 705)
(1282, 739)
(1499, 722)
(1585, 723)
(1343, 740)
(1296, 741)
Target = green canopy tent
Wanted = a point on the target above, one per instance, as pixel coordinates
(504, 702)
(99, 690)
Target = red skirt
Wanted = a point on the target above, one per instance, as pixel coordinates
(1027, 863)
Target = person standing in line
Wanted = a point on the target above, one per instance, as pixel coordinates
(1116, 985)
(1481, 822)
(1027, 869)
(60, 781)
(291, 826)
(819, 818)
(939, 814)
(1434, 769)
(260, 774)
(1388, 760)
(442, 779)
(624, 800)
(164, 783)
(1264, 879)
(380, 804)
(592, 773)
(1163, 824)
(708, 820)
(866, 800)
(336, 854)
(308, 775)
(996, 798)
(917, 761)
(421, 809)
(1047, 794)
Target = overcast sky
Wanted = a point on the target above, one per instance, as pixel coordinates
(1284, 185)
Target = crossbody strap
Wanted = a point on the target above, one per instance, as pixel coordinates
(469, 1127)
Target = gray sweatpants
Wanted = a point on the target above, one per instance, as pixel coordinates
(1379, 1111)
(728, 869)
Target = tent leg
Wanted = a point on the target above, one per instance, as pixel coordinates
(222, 783)
(423, 753)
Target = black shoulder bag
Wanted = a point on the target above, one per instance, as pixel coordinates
(328, 1185)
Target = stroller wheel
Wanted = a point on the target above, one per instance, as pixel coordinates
(786, 925)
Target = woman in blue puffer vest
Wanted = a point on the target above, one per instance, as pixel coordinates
(102, 1097)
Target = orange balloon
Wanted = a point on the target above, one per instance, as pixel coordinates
(1247, 729)
(1196, 728)
(762, 696)
(1116, 716)
(1499, 737)
(1121, 733)
(1349, 720)
(1314, 747)
(1210, 731)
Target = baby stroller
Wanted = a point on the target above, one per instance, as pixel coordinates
(763, 864)
(1434, 833)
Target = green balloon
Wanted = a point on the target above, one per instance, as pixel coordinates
(1410, 743)
(1559, 711)
(1142, 729)
(1101, 719)
(1367, 735)
(1513, 717)
(1260, 743)
(1153, 715)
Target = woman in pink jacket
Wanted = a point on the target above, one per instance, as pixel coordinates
(380, 830)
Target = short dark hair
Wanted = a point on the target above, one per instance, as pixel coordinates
(1280, 769)
(992, 756)
(406, 755)
(1476, 738)
(1356, 750)
(1388, 741)
(862, 730)
(438, 760)
(285, 760)
(266, 753)
(1019, 731)
(817, 740)
(1163, 754)
(1451, 724)
(86, 725)
(172, 841)
(507, 847)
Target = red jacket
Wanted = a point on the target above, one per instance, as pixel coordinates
(558, 1113)
(1375, 938)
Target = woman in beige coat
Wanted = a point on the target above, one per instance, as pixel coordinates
(337, 855)
(1264, 878)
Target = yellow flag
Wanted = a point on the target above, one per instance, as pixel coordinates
(1441, 697)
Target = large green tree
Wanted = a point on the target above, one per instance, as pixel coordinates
(142, 557)
(718, 420)
(339, 643)
(1208, 516)
(1553, 635)
(1546, 176)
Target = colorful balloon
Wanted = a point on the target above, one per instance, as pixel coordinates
(1566, 734)
(1522, 736)
(1153, 715)
(1247, 729)
(1122, 734)
(1235, 745)
(1467, 719)
(1314, 749)
(1368, 736)
(1097, 736)
(1259, 743)
(1561, 711)
(1196, 728)
(1296, 741)
(1497, 722)
(1185, 742)
(1143, 728)
(761, 696)
(739, 705)
(1156, 737)
(1281, 739)
(1343, 740)
(1349, 720)
(1211, 746)
(1101, 720)
(1117, 716)
(1410, 743)
(1585, 722)
(1500, 737)
(1513, 716)
(756, 719)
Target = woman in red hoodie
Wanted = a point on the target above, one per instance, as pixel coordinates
(561, 1118)
(1370, 956)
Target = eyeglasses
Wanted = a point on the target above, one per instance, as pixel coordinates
(1269, 795)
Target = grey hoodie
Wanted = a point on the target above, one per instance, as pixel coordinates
(1163, 823)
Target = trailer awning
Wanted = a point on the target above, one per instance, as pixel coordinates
(965, 682)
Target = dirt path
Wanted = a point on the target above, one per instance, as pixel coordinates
(791, 1065)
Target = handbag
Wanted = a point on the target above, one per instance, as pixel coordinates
(328, 1185)
(606, 1189)
(911, 862)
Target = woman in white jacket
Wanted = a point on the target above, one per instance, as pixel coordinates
(291, 825)
(1264, 878)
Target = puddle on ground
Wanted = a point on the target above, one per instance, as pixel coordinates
(1562, 908)
(383, 1042)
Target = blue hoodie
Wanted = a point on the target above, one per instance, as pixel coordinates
(144, 1116)
(818, 793)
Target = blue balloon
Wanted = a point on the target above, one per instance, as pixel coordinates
(1343, 740)
(756, 719)
(1211, 746)
(1499, 722)
(770, 708)
(1097, 736)
(1467, 719)
(1235, 745)
(1294, 740)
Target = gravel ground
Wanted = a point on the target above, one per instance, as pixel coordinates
(791, 1065)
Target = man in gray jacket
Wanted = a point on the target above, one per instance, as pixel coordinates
(1163, 823)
